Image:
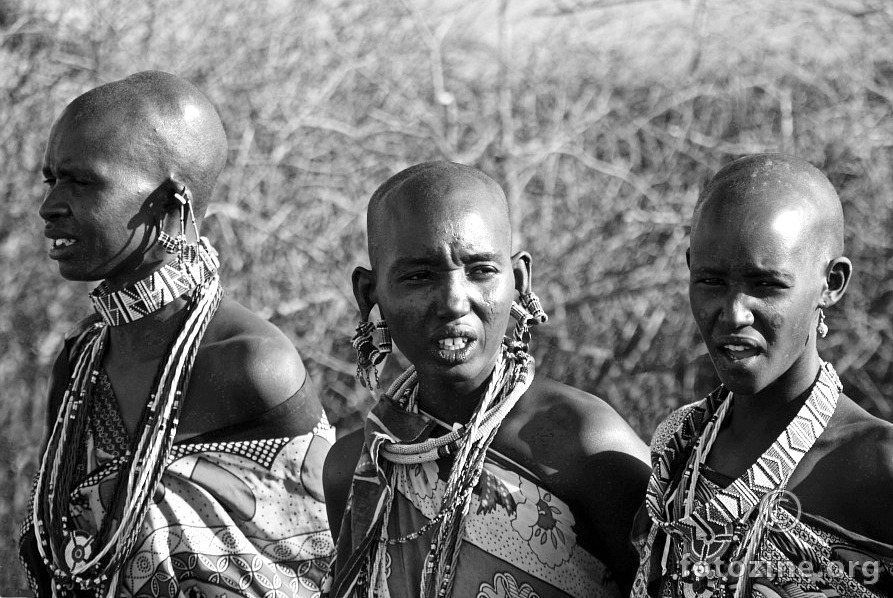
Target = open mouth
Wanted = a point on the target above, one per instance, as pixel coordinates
(738, 352)
(454, 346)
(61, 247)
(453, 343)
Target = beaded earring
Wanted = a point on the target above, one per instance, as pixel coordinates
(822, 328)
(529, 312)
(178, 245)
(372, 342)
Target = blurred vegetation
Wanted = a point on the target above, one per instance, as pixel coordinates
(601, 119)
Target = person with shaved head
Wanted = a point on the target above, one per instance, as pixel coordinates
(776, 484)
(473, 476)
(185, 441)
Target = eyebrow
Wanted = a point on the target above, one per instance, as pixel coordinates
(66, 168)
(750, 273)
(404, 263)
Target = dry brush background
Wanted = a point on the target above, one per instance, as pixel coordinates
(601, 119)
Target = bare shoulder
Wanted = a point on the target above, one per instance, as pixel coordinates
(584, 452)
(569, 417)
(246, 367)
(865, 446)
(254, 359)
(856, 451)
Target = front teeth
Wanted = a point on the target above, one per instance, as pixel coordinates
(736, 347)
(63, 243)
(452, 343)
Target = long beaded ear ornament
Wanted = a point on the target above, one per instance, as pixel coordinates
(822, 328)
(179, 245)
(372, 342)
(529, 312)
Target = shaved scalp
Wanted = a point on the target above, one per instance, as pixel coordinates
(426, 183)
(162, 119)
(759, 187)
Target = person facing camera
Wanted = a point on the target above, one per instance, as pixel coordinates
(185, 440)
(776, 484)
(473, 475)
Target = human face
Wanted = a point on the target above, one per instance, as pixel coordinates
(755, 284)
(95, 207)
(445, 284)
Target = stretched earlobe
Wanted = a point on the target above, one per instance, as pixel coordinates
(521, 268)
(688, 258)
(363, 281)
(837, 279)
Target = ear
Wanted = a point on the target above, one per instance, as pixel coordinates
(688, 258)
(364, 290)
(165, 202)
(521, 269)
(837, 278)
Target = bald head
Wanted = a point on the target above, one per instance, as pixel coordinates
(433, 190)
(159, 120)
(776, 192)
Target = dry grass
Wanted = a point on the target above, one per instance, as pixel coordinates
(601, 123)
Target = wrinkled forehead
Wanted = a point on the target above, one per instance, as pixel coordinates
(424, 213)
(117, 133)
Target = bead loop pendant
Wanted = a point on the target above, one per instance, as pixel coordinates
(78, 549)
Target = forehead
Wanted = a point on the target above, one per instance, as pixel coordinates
(754, 227)
(440, 218)
(84, 137)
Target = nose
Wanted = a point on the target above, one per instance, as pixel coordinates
(53, 206)
(454, 301)
(736, 310)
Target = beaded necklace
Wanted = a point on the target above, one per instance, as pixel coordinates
(196, 266)
(726, 527)
(468, 444)
(77, 559)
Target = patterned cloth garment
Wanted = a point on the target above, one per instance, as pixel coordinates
(238, 511)
(796, 555)
(519, 540)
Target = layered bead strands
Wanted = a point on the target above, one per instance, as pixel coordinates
(77, 559)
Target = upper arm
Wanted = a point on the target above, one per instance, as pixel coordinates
(272, 370)
(878, 496)
(59, 378)
(338, 475)
(604, 472)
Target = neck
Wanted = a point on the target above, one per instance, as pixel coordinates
(779, 401)
(149, 337)
(448, 402)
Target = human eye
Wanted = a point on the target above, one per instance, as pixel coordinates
(416, 276)
(709, 281)
(770, 285)
(483, 271)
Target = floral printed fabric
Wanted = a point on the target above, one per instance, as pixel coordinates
(519, 538)
(230, 517)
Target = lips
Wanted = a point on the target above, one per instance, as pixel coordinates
(60, 244)
(453, 345)
(738, 349)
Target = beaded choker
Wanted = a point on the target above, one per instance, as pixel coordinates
(197, 266)
(467, 445)
(90, 560)
(704, 525)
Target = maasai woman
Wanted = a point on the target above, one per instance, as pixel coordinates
(776, 484)
(473, 476)
(185, 438)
